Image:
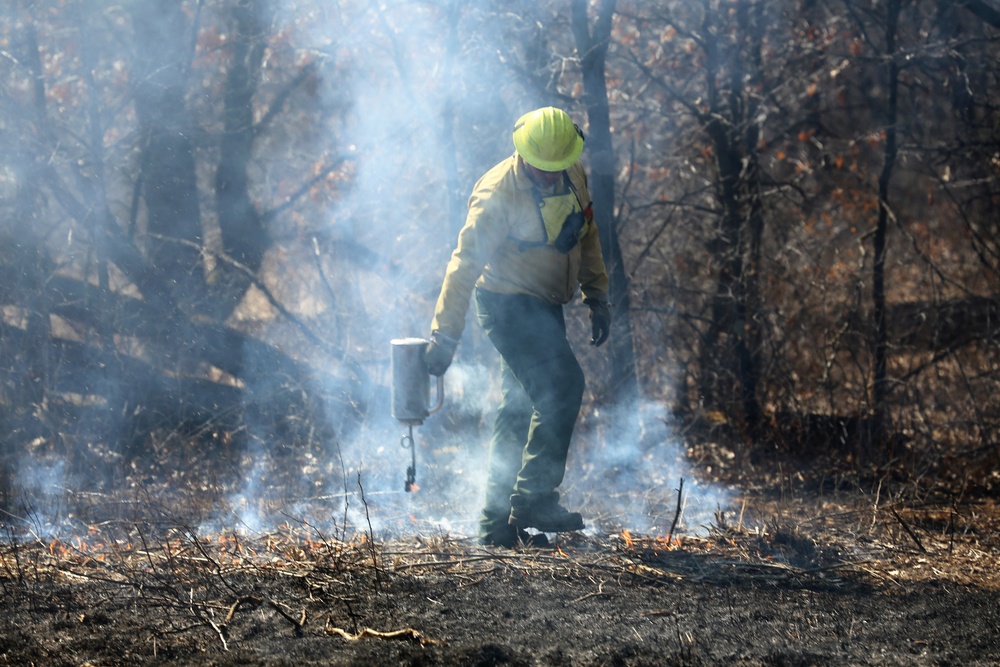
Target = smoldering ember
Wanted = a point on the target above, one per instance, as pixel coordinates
(241, 240)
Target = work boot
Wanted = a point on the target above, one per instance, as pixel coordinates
(543, 512)
(508, 536)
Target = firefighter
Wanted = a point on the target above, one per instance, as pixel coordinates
(529, 239)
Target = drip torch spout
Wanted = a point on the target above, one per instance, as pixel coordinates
(411, 472)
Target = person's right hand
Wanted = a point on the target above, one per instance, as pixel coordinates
(439, 352)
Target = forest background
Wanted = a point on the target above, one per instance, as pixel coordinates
(216, 214)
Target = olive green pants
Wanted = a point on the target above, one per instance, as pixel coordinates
(542, 389)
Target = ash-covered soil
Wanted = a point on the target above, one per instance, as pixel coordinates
(732, 599)
(823, 571)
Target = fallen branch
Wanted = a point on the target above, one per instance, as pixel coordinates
(408, 634)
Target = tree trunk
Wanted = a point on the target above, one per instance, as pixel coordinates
(593, 47)
(171, 189)
(732, 341)
(880, 350)
(244, 237)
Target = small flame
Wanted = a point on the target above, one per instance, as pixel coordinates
(669, 542)
(627, 536)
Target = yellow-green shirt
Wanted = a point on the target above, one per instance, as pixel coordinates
(504, 248)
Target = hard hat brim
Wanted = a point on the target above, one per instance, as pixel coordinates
(524, 150)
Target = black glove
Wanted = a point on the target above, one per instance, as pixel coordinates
(600, 321)
(438, 353)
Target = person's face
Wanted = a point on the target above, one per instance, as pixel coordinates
(544, 178)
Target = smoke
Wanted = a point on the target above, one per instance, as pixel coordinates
(405, 85)
(417, 116)
(40, 478)
(634, 473)
(450, 453)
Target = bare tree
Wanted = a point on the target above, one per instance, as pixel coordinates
(592, 44)
(723, 97)
(110, 164)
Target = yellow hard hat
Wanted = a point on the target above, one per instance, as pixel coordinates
(548, 139)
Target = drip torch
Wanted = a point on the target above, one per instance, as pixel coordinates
(411, 386)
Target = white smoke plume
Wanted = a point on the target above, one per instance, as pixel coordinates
(418, 119)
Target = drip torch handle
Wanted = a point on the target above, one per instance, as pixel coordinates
(440, 396)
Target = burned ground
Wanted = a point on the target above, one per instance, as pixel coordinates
(795, 573)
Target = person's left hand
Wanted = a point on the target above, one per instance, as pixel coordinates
(600, 321)
(439, 352)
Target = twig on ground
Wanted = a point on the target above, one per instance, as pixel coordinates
(239, 603)
(219, 631)
(878, 495)
(592, 594)
(371, 534)
(909, 532)
(216, 567)
(297, 625)
(677, 514)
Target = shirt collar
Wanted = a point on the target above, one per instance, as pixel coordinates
(521, 179)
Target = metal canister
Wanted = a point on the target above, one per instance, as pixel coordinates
(411, 383)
